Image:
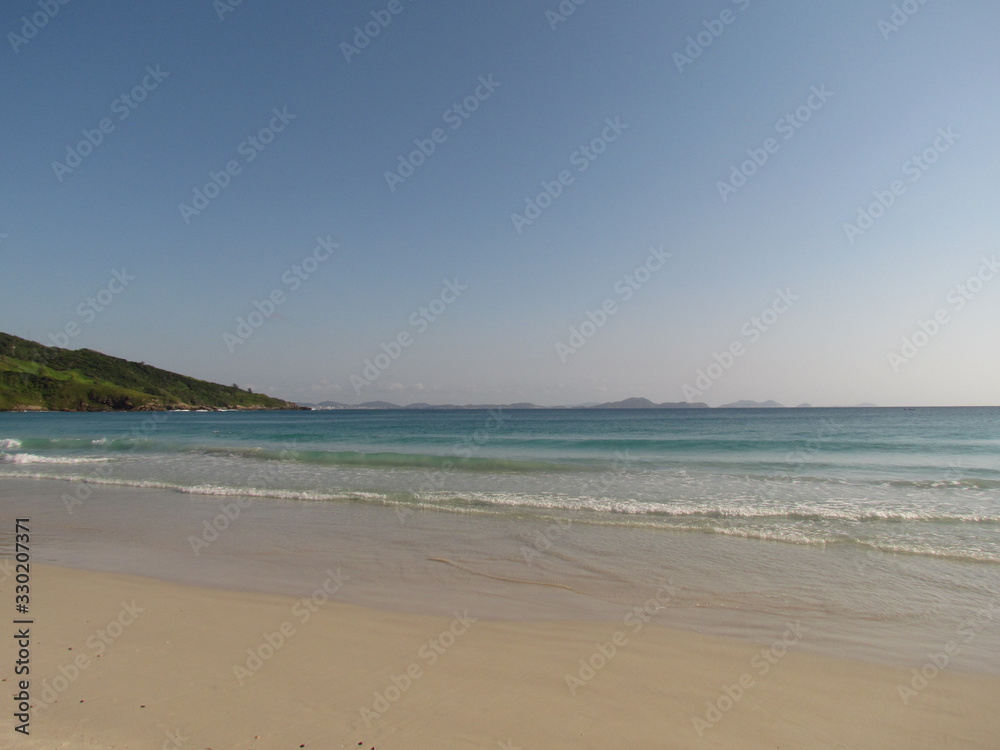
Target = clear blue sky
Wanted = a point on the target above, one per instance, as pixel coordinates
(885, 96)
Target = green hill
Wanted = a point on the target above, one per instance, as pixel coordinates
(38, 377)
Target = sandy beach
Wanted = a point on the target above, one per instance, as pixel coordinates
(512, 375)
(127, 662)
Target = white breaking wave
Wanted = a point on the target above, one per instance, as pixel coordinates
(779, 524)
(743, 511)
(31, 458)
(203, 489)
(9, 443)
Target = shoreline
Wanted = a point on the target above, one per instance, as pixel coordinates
(333, 624)
(121, 660)
(518, 569)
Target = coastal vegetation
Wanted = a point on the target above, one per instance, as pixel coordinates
(35, 377)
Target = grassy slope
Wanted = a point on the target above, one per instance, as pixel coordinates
(36, 376)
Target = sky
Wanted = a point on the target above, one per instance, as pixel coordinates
(494, 202)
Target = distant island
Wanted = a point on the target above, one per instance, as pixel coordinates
(628, 403)
(645, 403)
(35, 377)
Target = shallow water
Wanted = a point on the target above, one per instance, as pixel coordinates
(877, 527)
(922, 481)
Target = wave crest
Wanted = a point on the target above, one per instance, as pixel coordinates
(31, 458)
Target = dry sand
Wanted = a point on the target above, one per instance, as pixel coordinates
(155, 669)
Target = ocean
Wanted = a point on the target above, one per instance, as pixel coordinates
(876, 525)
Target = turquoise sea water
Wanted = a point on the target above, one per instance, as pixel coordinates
(922, 481)
(876, 528)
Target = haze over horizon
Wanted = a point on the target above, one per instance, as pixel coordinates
(498, 203)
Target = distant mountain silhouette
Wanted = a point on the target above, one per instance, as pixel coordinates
(628, 403)
(645, 403)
